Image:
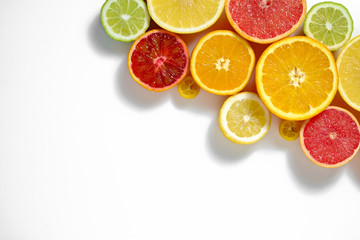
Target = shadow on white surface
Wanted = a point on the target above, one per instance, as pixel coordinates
(205, 103)
(308, 175)
(223, 149)
(129, 90)
(104, 44)
(126, 88)
(353, 170)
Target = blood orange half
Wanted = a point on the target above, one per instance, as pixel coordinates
(331, 138)
(265, 21)
(158, 60)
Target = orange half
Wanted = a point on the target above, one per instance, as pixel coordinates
(296, 78)
(222, 62)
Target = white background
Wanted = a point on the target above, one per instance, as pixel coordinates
(87, 153)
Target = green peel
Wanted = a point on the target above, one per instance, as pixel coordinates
(329, 23)
(125, 20)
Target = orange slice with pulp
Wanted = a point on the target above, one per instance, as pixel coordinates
(222, 62)
(296, 78)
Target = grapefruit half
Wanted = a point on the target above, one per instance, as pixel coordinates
(332, 138)
(158, 60)
(265, 21)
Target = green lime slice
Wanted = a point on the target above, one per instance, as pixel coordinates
(125, 20)
(329, 23)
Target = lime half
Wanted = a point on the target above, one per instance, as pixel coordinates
(125, 20)
(329, 23)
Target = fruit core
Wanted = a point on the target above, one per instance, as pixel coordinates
(265, 3)
(222, 64)
(159, 61)
(246, 118)
(332, 135)
(125, 17)
(328, 26)
(296, 77)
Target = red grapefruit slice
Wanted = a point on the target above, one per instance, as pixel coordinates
(332, 138)
(158, 60)
(265, 21)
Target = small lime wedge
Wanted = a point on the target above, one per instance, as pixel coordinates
(329, 23)
(125, 20)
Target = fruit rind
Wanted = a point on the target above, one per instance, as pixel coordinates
(185, 30)
(307, 153)
(198, 48)
(266, 99)
(141, 82)
(338, 6)
(259, 40)
(119, 37)
(338, 62)
(223, 122)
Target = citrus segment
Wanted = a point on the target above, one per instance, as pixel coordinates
(185, 16)
(265, 21)
(348, 63)
(158, 60)
(296, 78)
(188, 88)
(332, 138)
(289, 130)
(244, 119)
(329, 23)
(125, 20)
(222, 62)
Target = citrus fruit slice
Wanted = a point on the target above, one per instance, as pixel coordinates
(296, 78)
(330, 23)
(348, 63)
(222, 62)
(181, 16)
(331, 138)
(289, 130)
(125, 20)
(158, 60)
(265, 21)
(244, 119)
(188, 88)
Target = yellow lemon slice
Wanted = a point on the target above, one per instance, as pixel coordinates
(348, 63)
(244, 119)
(185, 16)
